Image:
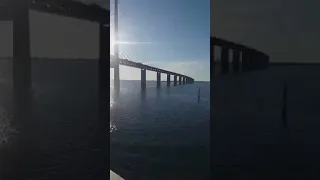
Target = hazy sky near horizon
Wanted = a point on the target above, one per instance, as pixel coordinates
(287, 30)
(173, 35)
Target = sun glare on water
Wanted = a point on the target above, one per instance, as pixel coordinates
(112, 125)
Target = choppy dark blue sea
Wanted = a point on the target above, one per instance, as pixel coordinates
(161, 133)
(250, 139)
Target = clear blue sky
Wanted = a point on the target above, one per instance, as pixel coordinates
(169, 34)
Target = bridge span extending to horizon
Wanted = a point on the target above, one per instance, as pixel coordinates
(183, 79)
(243, 59)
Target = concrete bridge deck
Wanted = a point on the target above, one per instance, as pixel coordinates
(114, 63)
(126, 62)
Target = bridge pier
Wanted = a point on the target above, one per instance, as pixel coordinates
(21, 66)
(179, 80)
(245, 61)
(255, 60)
(21, 62)
(251, 60)
(168, 80)
(22, 86)
(175, 80)
(143, 79)
(116, 78)
(212, 56)
(184, 80)
(224, 60)
(104, 56)
(158, 79)
(236, 61)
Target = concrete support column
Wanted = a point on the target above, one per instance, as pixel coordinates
(175, 80)
(104, 56)
(257, 61)
(116, 81)
(22, 95)
(265, 61)
(158, 79)
(104, 87)
(184, 80)
(189, 80)
(143, 79)
(224, 60)
(245, 61)
(179, 80)
(212, 56)
(21, 65)
(250, 61)
(236, 61)
(168, 80)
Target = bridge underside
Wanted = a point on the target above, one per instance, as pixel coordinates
(243, 58)
(67, 8)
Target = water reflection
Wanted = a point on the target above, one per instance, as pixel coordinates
(158, 92)
(143, 94)
(168, 90)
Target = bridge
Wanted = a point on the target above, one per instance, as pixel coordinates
(125, 62)
(17, 12)
(243, 58)
(115, 62)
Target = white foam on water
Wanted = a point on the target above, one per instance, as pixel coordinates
(112, 125)
(6, 130)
